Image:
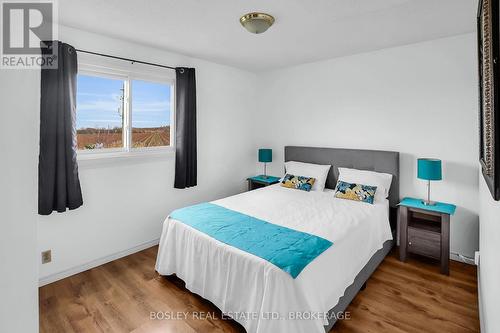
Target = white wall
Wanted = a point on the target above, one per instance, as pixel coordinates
(19, 96)
(126, 201)
(419, 99)
(489, 267)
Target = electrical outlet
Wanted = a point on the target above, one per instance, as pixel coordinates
(46, 256)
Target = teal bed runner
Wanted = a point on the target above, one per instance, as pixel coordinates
(288, 249)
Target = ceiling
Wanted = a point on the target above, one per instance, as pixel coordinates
(304, 31)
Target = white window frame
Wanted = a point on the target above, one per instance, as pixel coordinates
(129, 72)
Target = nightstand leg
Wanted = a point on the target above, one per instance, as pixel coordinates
(445, 244)
(403, 232)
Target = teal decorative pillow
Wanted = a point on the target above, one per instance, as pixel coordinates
(298, 182)
(356, 192)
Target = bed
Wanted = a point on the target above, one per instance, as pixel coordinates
(261, 296)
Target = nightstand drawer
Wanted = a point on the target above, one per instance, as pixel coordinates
(424, 242)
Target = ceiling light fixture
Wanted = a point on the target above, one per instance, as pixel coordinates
(256, 23)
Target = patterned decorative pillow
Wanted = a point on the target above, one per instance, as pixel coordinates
(298, 182)
(356, 192)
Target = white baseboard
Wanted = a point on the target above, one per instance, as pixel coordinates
(94, 263)
(101, 261)
(461, 258)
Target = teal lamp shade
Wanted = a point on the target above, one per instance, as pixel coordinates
(429, 169)
(265, 155)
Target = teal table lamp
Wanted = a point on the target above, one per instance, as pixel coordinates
(429, 169)
(265, 156)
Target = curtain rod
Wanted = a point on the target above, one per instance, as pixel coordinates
(126, 59)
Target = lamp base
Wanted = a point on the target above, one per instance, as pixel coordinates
(429, 203)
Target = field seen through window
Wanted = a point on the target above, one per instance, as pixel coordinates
(96, 138)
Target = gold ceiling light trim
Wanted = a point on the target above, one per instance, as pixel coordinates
(257, 23)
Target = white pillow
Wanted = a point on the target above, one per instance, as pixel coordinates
(371, 178)
(317, 171)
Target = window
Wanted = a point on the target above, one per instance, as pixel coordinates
(99, 112)
(150, 114)
(119, 111)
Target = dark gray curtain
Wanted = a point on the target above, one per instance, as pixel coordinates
(58, 183)
(185, 128)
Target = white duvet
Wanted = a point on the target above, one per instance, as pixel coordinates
(259, 295)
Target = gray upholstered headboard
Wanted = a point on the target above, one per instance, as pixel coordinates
(374, 160)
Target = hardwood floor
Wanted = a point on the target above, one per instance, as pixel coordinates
(120, 296)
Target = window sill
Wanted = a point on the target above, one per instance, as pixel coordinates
(136, 155)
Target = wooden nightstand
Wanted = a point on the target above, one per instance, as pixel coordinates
(425, 230)
(259, 181)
